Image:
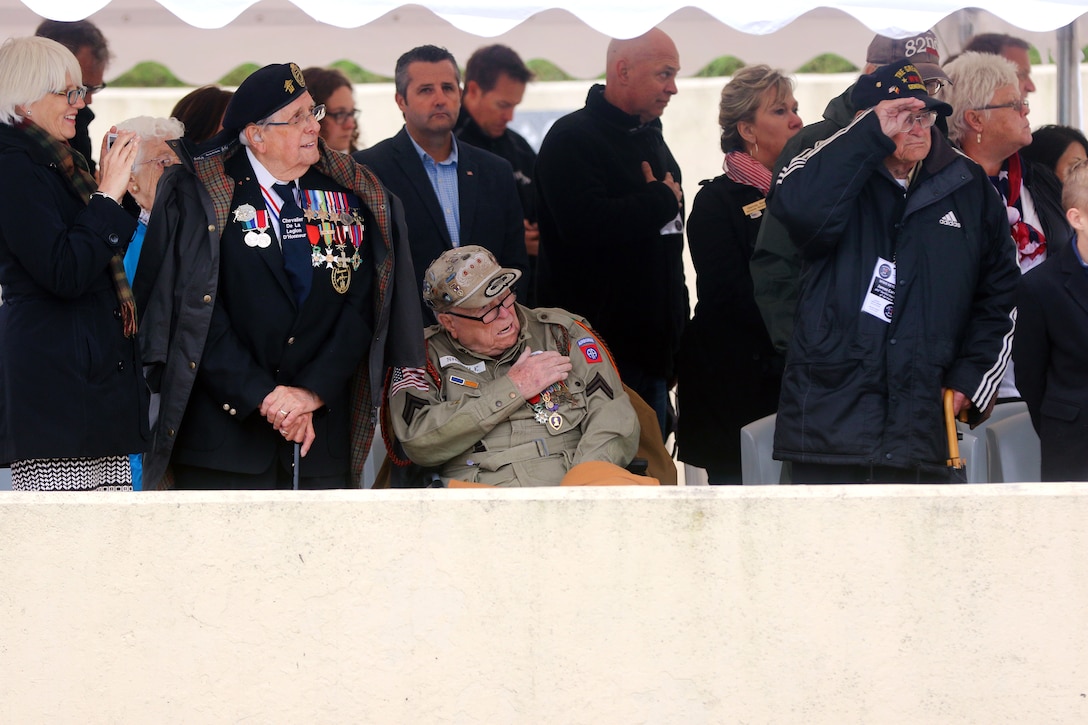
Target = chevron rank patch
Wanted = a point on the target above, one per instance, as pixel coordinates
(412, 405)
(598, 383)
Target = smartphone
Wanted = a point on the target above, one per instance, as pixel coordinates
(110, 138)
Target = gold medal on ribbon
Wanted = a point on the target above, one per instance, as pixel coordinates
(341, 278)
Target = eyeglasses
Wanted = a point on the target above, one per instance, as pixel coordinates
(164, 162)
(74, 95)
(96, 89)
(342, 117)
(924, 120)
(934, 86)
(491, 315)
(1018, 106)
(317, 113)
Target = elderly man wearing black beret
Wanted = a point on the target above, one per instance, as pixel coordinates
(276, 286)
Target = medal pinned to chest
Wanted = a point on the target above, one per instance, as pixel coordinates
(335, 229)
(255, 225)
(546, 404)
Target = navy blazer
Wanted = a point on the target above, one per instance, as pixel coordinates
(491, 214)
(260, 337)
(1050, 349)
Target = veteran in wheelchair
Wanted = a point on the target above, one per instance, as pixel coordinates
(510, 396)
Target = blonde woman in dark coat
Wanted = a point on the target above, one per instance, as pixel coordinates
(728, 370)
(73, 402)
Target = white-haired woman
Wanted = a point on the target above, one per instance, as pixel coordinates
(74, 402)
(726, 348)
(154, 156)
(990, 123)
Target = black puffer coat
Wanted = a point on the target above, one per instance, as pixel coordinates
(856, 389)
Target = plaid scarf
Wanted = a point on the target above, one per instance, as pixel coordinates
(75, 172)
(1030, 242)
(743, 169)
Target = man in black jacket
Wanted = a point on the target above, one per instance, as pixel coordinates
(612, 216)
(775, 263)
(906, 291)
(276, 289)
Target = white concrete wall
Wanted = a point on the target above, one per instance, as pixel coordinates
(864, 604)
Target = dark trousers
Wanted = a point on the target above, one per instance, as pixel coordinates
(651, 388)
(195, 478)
(825, 473)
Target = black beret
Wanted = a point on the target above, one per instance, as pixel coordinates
(263, 93)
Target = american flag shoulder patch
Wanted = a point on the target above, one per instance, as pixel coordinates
(407, 379)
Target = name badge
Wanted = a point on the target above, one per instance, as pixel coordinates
(446, 360)
(880, 298)
(755, 209)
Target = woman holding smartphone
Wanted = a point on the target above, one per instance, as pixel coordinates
(73, 402)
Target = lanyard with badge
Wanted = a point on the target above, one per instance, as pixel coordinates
(880, 297)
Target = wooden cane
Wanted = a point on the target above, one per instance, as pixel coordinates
(954, 460)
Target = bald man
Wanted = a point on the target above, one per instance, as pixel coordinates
(612, 216)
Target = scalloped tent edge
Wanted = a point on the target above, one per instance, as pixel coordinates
(572, 34)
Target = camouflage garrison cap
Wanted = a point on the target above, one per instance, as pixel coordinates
(467, 277)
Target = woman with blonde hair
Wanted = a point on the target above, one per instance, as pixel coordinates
(75, 402)
(990, 123)
(728, 371)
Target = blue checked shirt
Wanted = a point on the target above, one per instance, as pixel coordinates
(443, 178)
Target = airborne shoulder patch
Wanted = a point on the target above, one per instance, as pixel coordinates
(590, 350)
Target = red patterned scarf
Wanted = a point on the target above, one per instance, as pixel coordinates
(1030, 242)
(743, 169)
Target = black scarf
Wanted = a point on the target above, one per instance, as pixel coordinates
(74, 170)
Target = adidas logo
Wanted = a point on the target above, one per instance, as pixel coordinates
(950, 220)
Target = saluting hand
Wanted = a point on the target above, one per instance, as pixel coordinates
(895, 115)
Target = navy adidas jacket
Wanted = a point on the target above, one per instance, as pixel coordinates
(857, 389)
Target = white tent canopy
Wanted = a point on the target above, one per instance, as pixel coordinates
(200, 40)
(618, 18)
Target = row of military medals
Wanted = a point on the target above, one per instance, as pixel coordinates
(546, 404)
(330, 219)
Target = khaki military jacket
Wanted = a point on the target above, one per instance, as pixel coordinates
(473, 425)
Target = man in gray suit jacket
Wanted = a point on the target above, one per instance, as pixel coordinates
(453, 194)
